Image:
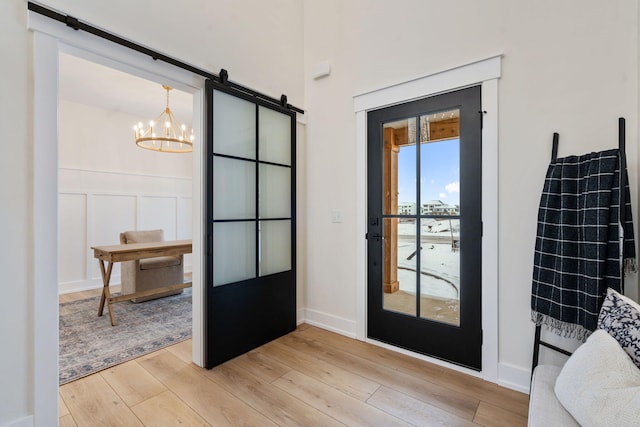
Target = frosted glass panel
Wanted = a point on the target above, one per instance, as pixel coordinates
(234, 126)
(275, 247)
(275, 191)
(234, 252)
(275, 136)
(234, 189)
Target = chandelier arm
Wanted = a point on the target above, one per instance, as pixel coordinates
(166, 138)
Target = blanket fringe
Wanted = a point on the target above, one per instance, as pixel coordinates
(560, 328)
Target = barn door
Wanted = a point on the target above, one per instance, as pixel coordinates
(250, 211)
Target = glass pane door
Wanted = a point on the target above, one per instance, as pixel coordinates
(424, 226)
(251, 224)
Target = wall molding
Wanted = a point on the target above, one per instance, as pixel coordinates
(330, 322)
(432, 84)
(92, 278)
(514, 377)
(22, 422)
(126, 173)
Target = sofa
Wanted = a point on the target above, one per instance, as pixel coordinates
(599, 385)
(544, 407)
(151, 273)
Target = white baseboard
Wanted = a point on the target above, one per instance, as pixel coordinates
(84, 285)
(300, 317)
(22, 422)
(514, 377)
(330, 322)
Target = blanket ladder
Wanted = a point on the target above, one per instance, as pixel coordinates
(537, 342)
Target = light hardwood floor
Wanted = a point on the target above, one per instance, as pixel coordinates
(309, 377)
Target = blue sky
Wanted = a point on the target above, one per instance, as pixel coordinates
(440, 172)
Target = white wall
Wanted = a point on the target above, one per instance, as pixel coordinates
(94, 138)
(260, 44)
(16, 269)
(108, 185)
(569, 66)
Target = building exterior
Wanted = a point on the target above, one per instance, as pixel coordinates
(406, 208)
(437, 207)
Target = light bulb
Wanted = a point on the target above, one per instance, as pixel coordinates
(167, 124)
(151, 123)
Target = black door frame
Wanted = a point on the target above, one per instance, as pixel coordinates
(454, 344)
(241, 316)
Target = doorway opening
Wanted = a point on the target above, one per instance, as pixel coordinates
(106, 186)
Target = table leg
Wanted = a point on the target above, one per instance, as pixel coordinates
(106, 295)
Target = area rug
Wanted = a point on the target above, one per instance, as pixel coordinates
(89, 343)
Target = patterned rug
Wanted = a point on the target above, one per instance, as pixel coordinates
(89, 343)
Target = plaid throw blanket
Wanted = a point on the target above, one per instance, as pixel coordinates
(581, 248)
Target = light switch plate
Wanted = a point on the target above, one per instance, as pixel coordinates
(336, 216)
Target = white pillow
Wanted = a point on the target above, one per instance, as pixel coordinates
(600, 385)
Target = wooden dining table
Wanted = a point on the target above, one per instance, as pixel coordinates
(111, 254)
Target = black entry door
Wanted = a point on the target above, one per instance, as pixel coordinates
(424, 226)
(250, 295)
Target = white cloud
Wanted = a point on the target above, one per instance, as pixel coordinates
(443, 195)
(453, 187)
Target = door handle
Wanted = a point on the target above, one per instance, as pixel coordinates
(375, 236)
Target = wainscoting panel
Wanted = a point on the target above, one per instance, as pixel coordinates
(112, 214)
(72, 211)
(184, 217)
(95, 207)
(159, 212)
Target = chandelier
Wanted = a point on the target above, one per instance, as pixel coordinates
(164, 133)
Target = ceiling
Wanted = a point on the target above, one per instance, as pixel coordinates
(89, 83)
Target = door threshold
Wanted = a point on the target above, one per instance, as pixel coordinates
(433, 360)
